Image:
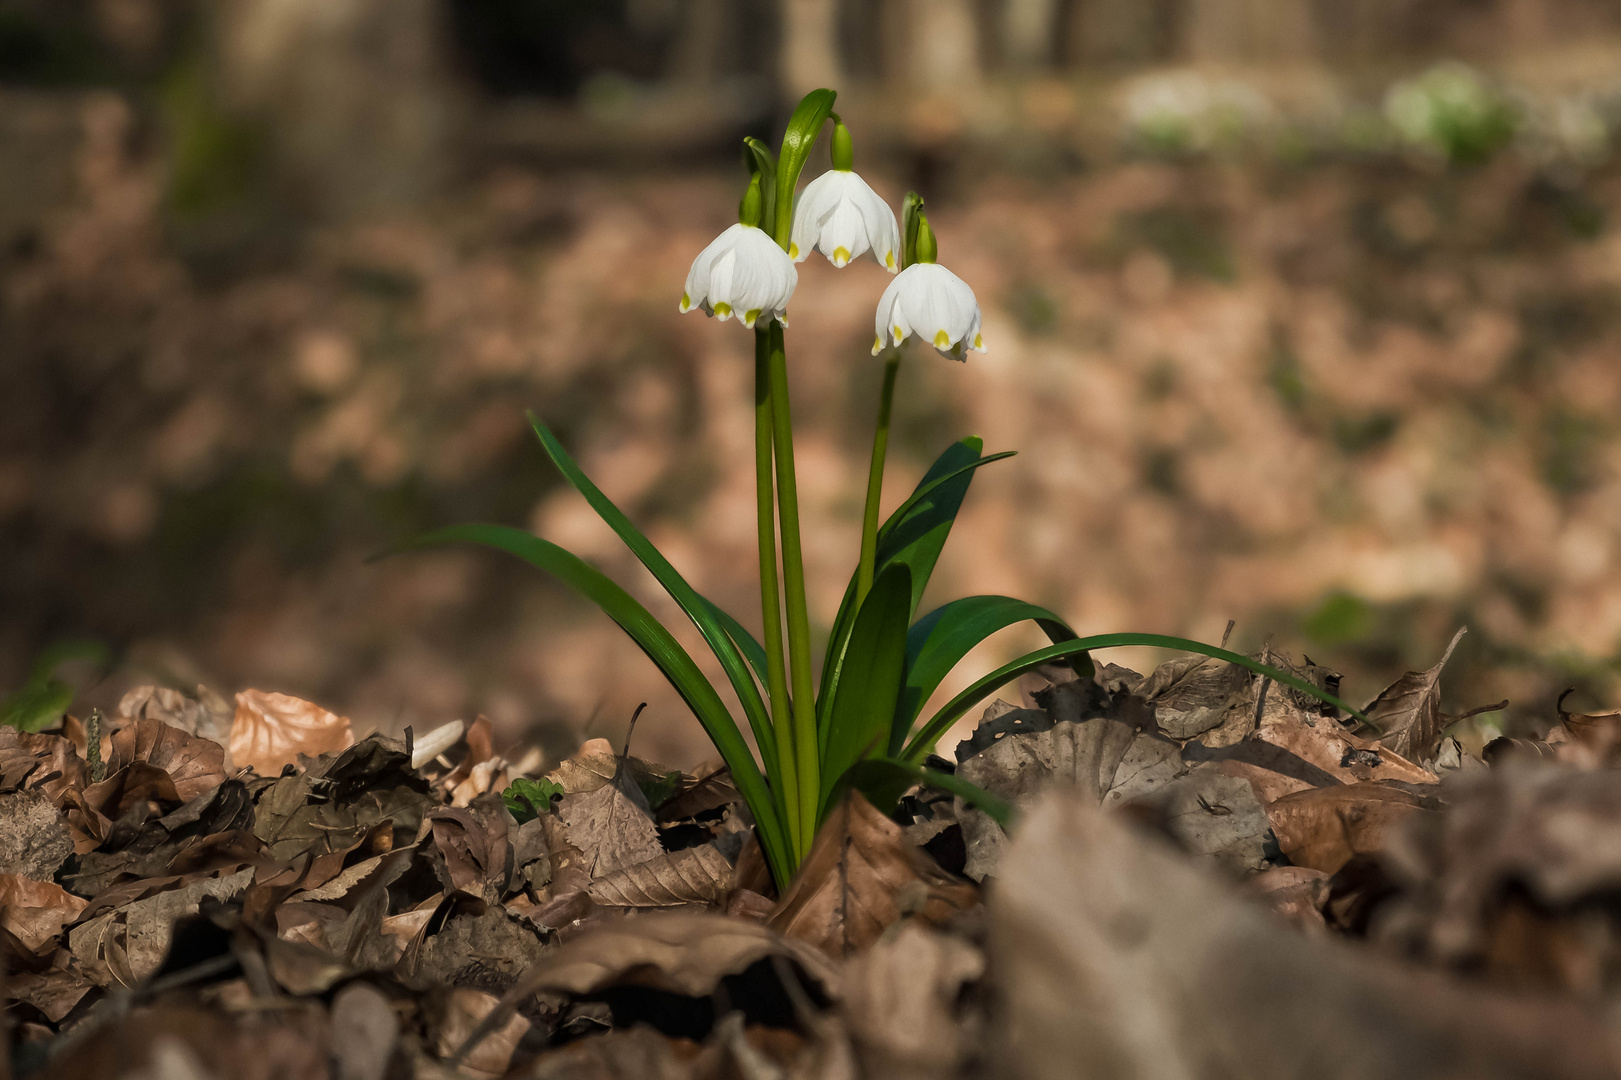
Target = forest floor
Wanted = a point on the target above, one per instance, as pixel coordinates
(1209, 875)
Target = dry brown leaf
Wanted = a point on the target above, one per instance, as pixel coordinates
(191, 715)
(1295, 892)
(1192, 694)
(1593, 739)
(1407, 714)
(270, 730)
(128, 943)
(1119, 958)
(47, 763)
(464, 1009)
(1326, 827)
(610, 830)
(695, 875)
(473, 842)
(196, 765)
(36, 911)
(860, 878)
(902, 1004)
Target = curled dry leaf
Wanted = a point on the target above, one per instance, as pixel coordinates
(464, 1009)
(1121, 959)
(902, 1004)
(473, 842)
(1325, 828)
(47, 763)
(205, 716)
(860, 878)
(36, 911)
(695, 875)
(270, 730)
(197, 766)
(1407, 714)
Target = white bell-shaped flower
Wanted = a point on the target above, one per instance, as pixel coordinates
(841, 216)
(744, 273)
(930, 301)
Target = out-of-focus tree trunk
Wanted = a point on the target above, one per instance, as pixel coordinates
(1265, 31)
(1029, 33)
(940, 39)
(358, 94)
(810, 46)
(695, 58)
(1120, 32)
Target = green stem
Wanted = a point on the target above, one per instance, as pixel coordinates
(770, 602)
(793, 572)
(875, 478)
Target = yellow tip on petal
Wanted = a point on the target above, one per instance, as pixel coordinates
(900, 335)
(686, 303)
(793, 250)
(750, 316)
(877, 345)
(723, 309)
(841, 256)
(979, 341)
(942, 340)
(889, 259)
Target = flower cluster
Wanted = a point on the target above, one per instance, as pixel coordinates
(744, 272)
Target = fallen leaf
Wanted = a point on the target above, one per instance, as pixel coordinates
(197, 766)
(271, 730)
(36, 911)
(1118, 958)
(194, 716)
(640, 1053)
(609, 829)
(1327, 827)
(695, 875)
(1297, 893)
(1192, 694)
(365, 1032)
(860, 878)
(1407, 713)
(473, 842)
(46, 763)
(902, 1004)
(128, 943)
(463, 1009)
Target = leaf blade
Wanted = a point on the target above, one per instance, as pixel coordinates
(863, 708)
(654, 640)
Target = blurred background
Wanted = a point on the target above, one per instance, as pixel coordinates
(1303, 314)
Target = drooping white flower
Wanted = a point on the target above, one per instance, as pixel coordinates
(841, 216)
(930, 301)
(744, 273)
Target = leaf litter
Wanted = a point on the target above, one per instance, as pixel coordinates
(1207, 875)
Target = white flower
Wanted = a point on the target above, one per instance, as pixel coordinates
(930, 301)
(844, 218)
(743, 273)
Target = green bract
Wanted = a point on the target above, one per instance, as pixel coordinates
(856, 721)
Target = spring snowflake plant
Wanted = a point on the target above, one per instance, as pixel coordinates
(852, 722)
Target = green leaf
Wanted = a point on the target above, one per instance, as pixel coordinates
(527, 799)
(945, 635)
(659, 645)
(797, 140)
(699, 610)
(921, 743)
(914, 535)
(884, 780)
(37, 705)
(864, 704)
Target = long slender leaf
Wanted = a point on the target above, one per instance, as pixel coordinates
(699, 610)
(803, 127)
(940, 639)
(914, 535)
(984, 687)
(883, 780)
(864, 704)
(660, 646)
